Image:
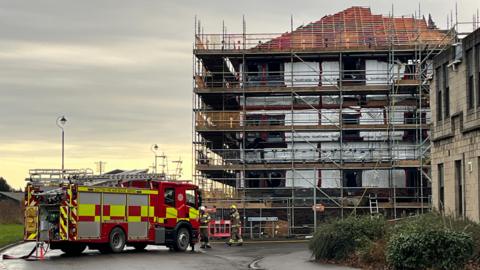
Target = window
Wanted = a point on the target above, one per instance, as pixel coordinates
(446, 89)
(470, 82)
(170, 196)
(441, 188)
(190, 200)
(459, 187)
(439, 95)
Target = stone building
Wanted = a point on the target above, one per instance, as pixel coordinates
(455, 153)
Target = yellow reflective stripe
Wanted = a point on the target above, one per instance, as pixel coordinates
(160, 220)
(187, 219)
(86, 210)
(32, 236)
(193, 213)
(171, 212)
(106, 218)
(117, 190)
(134, 219)
(97, 218)
(117, 210)
(144, 211)
(151, 211)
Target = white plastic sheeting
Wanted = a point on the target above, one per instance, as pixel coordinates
(380, 178)
(304, 74)
(312, 136)
(381, 135)
(299, 151)
(329, 117)
(303, 151)
(376, 97)
(397, 71)
(267, 101)
(279, 100)
(330, 100)
(330, 179)
(302, 117)
(405, 151)
(371, 116)
(376, 72)
(301, 178)
(354, 151)
(330, 73)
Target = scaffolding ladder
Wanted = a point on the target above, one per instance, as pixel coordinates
(373, 198)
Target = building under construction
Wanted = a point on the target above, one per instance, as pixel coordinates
(330, 116)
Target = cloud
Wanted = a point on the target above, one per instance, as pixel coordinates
(121, 71)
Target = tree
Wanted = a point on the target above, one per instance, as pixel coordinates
(4, 186)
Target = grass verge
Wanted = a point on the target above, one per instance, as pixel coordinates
(10, 233)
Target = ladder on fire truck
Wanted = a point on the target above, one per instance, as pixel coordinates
(55, 177)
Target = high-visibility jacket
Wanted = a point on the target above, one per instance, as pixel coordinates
(235, 219)
(204, 220)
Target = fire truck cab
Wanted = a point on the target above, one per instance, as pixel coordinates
(109, 215)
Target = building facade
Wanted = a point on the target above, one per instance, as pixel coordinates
(331, 114)
(455, 101)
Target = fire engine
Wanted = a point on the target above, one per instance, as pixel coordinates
(108, 212)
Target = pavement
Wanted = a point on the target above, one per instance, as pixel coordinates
(253, 255)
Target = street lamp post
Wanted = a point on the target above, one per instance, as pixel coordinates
(61, 121)
(154, 149)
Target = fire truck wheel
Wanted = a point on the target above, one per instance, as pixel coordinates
(117, 240)
(74, 250)
(182, 239)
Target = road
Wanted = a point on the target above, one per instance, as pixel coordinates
(257, 255)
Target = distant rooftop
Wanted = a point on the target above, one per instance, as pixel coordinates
(16, 196)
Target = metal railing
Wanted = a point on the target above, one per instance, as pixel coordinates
(310, 77)
(326, 152)
(311, 39)
(357, 116)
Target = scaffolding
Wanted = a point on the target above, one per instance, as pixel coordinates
(333, 113)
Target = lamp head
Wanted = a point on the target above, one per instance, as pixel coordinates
(63, 121)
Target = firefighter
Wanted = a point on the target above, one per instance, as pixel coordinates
(204, 220)
(235, 227)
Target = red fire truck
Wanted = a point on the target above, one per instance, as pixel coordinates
(109, 212)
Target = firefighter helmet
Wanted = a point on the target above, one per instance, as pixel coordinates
(202, 208)
(233, 206)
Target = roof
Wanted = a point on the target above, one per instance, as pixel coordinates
(357, 27)
(17, 196)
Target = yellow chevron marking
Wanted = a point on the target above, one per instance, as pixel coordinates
(63, 223)
(32, 236)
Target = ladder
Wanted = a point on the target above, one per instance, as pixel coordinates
(373, 198)
(55, 177)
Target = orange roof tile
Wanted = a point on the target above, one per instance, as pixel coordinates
(357, 27)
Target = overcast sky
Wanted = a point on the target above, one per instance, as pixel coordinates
(121, 72)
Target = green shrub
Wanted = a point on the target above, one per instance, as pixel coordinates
(429, 248)
(436, 221)
(338, 239)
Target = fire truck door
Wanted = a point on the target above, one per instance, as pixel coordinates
(88, 215)
(137, 216)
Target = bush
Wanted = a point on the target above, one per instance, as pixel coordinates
(429, 248)
(339, 239)
(435, 221)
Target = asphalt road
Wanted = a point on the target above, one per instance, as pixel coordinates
(258, 255)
